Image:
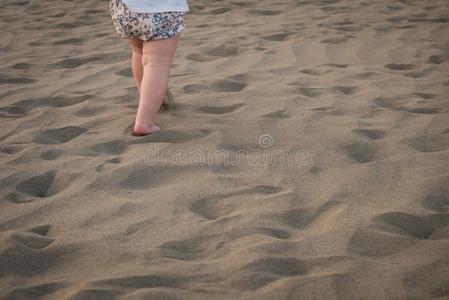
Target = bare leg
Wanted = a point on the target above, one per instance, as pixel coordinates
(136, 61)
(157, 57)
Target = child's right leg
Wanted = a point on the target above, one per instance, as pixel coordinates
(157, 57)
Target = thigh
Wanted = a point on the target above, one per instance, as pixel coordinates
(160, 52)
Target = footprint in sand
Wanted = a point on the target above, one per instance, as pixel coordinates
(10, 149)
(22, 66)
(395, 231)
(51, 154)
(300, 218)
(399, 67)
(323, 69)
(316, 92)
(72, 63)
(404, 224)
(38, 291)
(277, 37)
(31, 253)
(418, 284)
(70, 41)
(40, 186)
(135, 282)
(13, 112)
(430, 142)
(15, 80)
(335, 40)
(219, 11)
(214, 53)
(277, 115)
(198, 57)
(264, 271)
(226, 86)
(195, 88)
(223, 50)
(56, 101)
(412, 103)
(311, 92)
(361, 151)
(371, 133)
(59, 135)
(216, 206)
(437, 196)
(126, 72)
(194, 248)
(114, 147)
(438, 59)
(265, 12)
(220, 110)
(345, 90)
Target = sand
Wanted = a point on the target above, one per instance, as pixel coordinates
(307, 156)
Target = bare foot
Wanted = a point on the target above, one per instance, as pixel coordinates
(145, 130)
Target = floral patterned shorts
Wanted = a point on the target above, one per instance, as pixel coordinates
(145, 26)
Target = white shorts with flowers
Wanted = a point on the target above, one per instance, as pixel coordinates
(145, 26)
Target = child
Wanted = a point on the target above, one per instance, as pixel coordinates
(153, 28)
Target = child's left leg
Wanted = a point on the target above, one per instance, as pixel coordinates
(136, 61)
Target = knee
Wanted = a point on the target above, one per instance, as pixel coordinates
(152, 62)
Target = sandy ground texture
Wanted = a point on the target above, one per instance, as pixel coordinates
(307, 156)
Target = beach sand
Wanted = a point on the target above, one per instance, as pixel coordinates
(307, 156)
